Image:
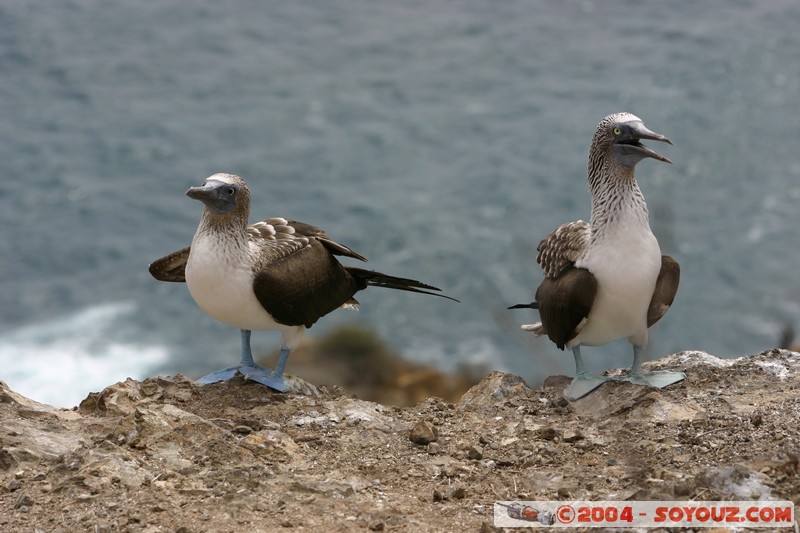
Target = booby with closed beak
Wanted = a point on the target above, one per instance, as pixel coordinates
(277, 274)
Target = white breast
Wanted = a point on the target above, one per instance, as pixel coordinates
(220, 280)
(626, 264)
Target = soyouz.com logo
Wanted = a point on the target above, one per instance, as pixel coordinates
(644, 514)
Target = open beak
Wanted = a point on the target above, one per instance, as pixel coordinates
(628, 147)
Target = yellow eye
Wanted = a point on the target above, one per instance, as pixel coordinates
(617, 131)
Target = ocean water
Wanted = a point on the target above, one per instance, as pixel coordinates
(441, 139)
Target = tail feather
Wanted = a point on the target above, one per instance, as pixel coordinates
(532, 305)
(377, 279)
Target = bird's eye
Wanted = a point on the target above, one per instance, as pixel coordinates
(231, 191)
(617, 131)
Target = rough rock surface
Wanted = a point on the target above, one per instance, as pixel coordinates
(165, 455)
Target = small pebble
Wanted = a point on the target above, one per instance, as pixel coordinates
(572, 435)
(509, 460)
(378, 526)
(13, 485)
(454, 493)
(23, 501)
(448, 471)
(433, 448)
(457, 493)
(475, 452)
(547, 433)
(243, 430)
(423, 433)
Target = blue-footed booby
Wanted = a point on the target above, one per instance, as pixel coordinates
(277, 274)
(607, 280)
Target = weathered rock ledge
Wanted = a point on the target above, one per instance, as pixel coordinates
(166, 455)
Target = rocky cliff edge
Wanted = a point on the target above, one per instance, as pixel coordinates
(165, 455)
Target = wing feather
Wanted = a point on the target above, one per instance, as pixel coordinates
(666, 288)
(565, 302)
(284, 237)
(301, 287)
(171, 267)
(563, 247)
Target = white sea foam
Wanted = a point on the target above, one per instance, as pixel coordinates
(61, 360)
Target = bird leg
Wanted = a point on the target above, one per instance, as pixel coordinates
(248, 368)
(247, 353)
(284, 356)
(656, 378)
(583, 383)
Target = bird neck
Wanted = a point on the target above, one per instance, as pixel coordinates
(230, 227)
(616, 197)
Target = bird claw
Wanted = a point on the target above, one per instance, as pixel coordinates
(582, 385)
(657, 378)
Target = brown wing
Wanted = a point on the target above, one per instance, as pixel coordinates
(300, 287)
(563, 247)
(564, 303)
(171, 267)
(666, 287)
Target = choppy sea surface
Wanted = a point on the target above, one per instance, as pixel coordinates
(441, 139)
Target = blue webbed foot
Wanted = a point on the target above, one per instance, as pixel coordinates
(248, 369)
(265, 376)
(220, 375)
(583, 384)
(253, 372)
(657, 378)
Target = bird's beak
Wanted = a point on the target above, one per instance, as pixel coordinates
(213, 194)
(206, 192)
(629, 151)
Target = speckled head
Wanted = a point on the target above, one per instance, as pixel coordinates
(620, 134)
(223, 195)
